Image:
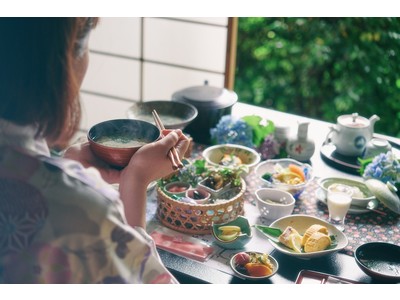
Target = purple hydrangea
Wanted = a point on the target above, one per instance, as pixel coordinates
(230, 131)
(384, 167)
(269, 147)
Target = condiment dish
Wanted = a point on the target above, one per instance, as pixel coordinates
(177, 188)
(273, 203)
(232, 239)
(241, 272)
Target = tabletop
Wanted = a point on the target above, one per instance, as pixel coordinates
(361, 227)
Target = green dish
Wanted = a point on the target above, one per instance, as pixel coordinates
(240, 241)
(324, 183)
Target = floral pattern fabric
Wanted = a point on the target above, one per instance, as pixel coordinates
(61, 223)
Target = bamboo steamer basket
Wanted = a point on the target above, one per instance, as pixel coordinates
(198, 218)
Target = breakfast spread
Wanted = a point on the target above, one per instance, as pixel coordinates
(316, 238)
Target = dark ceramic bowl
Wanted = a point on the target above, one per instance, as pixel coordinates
(173, 114)
(115, 141)
(379, 260)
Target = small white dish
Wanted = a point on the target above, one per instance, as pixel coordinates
(273, 203)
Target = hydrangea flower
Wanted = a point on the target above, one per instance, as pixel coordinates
(230, 131)
(384, 167)
(269, 147)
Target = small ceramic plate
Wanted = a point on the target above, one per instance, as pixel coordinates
(240, 241)
(301, 223)
(238, 272)
(352, 210)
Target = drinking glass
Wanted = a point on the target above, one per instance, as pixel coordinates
(338, 201)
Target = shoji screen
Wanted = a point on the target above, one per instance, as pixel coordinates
(139, 59)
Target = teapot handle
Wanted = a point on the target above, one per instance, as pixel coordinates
(328, 136)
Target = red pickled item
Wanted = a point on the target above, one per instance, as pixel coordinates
(242, 258)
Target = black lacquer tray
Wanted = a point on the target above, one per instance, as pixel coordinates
(348, 164)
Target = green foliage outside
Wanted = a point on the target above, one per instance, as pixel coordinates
(322, 67)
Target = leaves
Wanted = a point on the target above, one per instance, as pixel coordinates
(322, 67)
(272, 231)
(261, 128)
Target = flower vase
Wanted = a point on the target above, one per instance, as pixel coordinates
(300, 147)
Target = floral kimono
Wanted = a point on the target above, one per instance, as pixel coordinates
(61, 223)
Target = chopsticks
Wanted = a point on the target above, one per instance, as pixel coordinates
(172, 154)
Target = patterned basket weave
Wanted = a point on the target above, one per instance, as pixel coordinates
(197, 219)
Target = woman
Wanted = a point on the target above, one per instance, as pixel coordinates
(60, 220)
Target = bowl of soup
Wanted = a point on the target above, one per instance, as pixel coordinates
(173, 114)
(115, 141)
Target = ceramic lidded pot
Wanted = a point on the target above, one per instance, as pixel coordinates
(211, 102)
(352, 133)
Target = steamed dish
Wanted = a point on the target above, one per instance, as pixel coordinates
(316, 238)
(338, 187)
(120, 141)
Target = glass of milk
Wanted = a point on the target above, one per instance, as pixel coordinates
(338, 201)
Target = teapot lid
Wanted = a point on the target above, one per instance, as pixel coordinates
(353, 121)
(206, 96)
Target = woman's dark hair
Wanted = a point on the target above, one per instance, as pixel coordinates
(37, 76)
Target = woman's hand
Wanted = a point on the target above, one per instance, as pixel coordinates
(81, 152)
(151, 162)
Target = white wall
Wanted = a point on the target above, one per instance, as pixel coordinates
(176, 53)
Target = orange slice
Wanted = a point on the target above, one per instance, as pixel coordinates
(296, 169)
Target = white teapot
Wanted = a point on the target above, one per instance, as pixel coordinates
(352, 133)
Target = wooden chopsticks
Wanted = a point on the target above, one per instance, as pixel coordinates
(172, 154)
